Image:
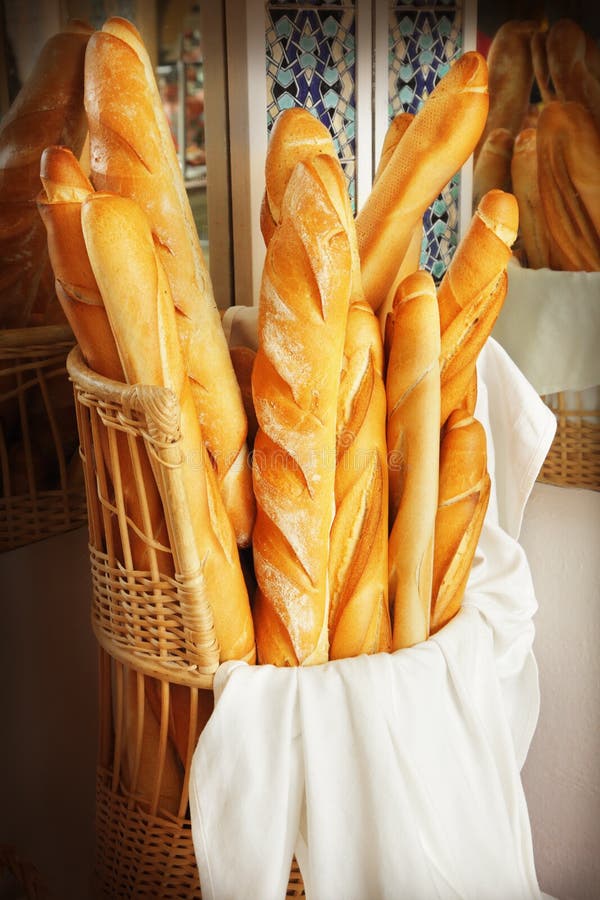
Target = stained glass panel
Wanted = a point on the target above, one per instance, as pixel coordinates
(310, 60)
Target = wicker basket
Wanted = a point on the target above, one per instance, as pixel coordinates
(150, 608)
(154, 625)
(19, 878)
(42, 487)
(574, 457)
(148, 733)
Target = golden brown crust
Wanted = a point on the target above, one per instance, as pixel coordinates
(481, 256)
(413, 401)
(464, 486)
(533, 229)
(492, 169)
(303, 309)
(48, 110)
(393, 136)
(541, 70)
(358, 613)
(140, 309)
(430, 152)
(510, 76)
(472, 292)
(568, 147)
(132, 153)
(573, 59)
(65, 187)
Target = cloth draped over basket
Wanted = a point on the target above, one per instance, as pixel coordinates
(396, 774)
(549, 325)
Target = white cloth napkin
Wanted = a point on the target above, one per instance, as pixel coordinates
(395, 775)
(549, 324)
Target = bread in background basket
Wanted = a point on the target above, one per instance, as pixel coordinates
(42, 489)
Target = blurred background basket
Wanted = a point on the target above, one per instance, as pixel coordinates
(42, 485)
(19, 878)
(157, 645)
(574, 457)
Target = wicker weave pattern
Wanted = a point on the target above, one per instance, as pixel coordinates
(22, 874)
(145, 849)
(157, 618)
(574, 457)
(140, 855)
(42, 489)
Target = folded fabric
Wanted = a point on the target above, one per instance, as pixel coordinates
(549, 325)
(395, 775)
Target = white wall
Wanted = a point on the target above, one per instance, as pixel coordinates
(562, 772)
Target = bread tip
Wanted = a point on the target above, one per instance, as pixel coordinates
(499, 211)
(417, 284)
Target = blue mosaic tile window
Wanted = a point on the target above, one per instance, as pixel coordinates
(310, 60)
(422, 45)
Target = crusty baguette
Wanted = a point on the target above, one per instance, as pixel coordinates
(358, 611)
(539, 60)
(492, 169)
(359, 619)
(481, 256)
(462, 343)
(510, 71)
(464, 487)
(140, 310)
(533, 229)
(64, 188)
(393, 136)
(413, 400)
(132, 153)
(47, 110)
(296, 135)
(568, 147)
(429, 153)
(304, 301)
(243, 363)
(572, 62)
(472, 292)
(412, 256)
(565, 45)
(592, 56)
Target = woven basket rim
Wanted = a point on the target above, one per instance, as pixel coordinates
(37, 335)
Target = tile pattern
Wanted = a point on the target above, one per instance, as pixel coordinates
(422, 46)
(310, 61)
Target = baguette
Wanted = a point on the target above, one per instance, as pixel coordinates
(571, 53)
(296, 136)
(64, 188)
(394, 134)
(533, 229)
(140, 310)
(47, 110)
(358, 610)
(304, 302)
(429, 153)
(411, 259)
(569, 185)
(132, 153)
(539, 61)
(510, 77)
(492, 169)
(413, 437)
(472, 292)
(464, 489)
